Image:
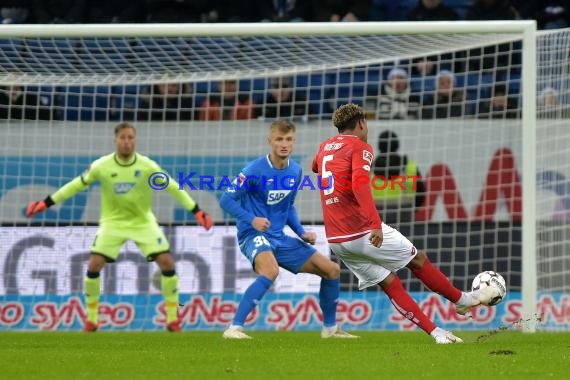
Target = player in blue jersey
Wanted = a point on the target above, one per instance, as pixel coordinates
(262, 200)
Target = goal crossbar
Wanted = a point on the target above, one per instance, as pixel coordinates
(256, 29)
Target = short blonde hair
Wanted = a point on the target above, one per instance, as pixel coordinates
(283, 126)
(124, 125)
(346, 116)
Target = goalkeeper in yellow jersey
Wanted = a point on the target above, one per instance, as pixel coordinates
(126, 214)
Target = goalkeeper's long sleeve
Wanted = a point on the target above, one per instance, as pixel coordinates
(181, 195)
(69, 190)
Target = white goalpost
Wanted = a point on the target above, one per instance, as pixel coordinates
(78, 81)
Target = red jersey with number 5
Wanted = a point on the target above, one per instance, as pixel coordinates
(343, 164)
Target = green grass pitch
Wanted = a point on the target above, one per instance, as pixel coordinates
(281, 355)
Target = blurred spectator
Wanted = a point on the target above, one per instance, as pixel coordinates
(496, 57)
(17, 103)
(396, 204)
(15, 11)
(342, 10)
(395, 100)
(116, 11)
(549, 14)
(281, 101)
(432, 10)
(285, 10)
(228, 104)
(323, 9)
(447, 101)
(427, 67)
(500, 106)
(549, 106)
(548, 98)
(424, 66)
(167, 102)
(181, 11)
(492, 10)
(237, 11)
(59, 11)
(424, 71)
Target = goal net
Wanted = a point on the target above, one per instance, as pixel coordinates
(446, 99)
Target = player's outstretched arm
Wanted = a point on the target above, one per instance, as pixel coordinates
(203, 218)
(66, 191)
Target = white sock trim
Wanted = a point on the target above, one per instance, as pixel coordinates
(464, 300)
(438, 331)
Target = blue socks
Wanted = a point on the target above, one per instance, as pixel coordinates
(328, 299)
(251, 298)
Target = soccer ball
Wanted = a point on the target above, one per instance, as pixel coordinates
(494, 280)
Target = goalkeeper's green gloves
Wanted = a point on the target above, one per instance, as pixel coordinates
(203, 219)
(35, 207)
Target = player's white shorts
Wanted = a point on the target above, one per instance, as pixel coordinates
(371, 264)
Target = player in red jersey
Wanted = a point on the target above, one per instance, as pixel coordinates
(372, 250)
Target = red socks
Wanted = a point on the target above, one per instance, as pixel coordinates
(406, 306)
(437, 281)
(431, 277)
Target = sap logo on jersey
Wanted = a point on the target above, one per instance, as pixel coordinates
(276, 196)
(123, 187)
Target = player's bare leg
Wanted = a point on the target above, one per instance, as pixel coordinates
(406, 306)
(93, 291)
(268, 269)
(169, 289)
(329, 272)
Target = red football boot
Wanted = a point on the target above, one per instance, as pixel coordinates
(174, 326)
(90, 326)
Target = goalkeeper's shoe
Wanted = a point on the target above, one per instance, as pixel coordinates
(442, 336)
(235, 332)
(90, 326)
(475, 298)
(174, 326)
(336, 332)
